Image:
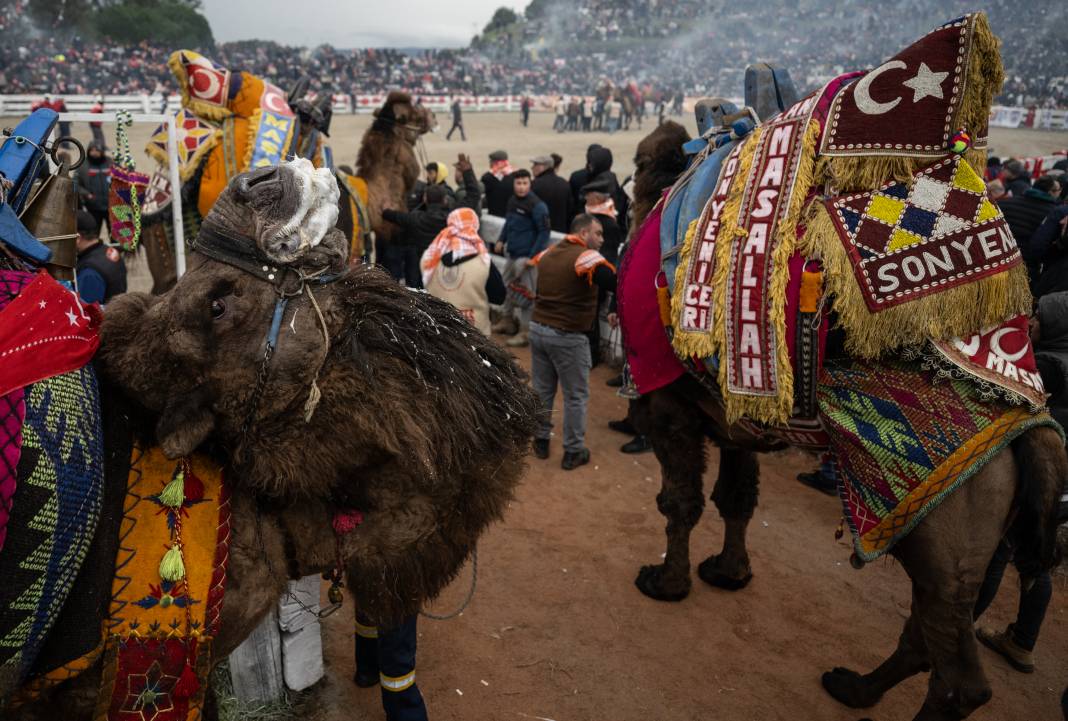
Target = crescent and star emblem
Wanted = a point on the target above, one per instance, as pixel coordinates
(926, 83)
(204, 83)
(995, 345)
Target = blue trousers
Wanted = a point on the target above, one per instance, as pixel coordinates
(391, 654)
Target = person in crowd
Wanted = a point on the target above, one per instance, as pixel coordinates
(100, 272)
(1015, 177)
(1050, 244)
(469, 190)
(498, 183)
(570, 275)
(587, 114)
(524, 235)
(574, 112)
(420, 227)
(97, 128)
(600, 203)
(560, 114)
(614, 113)
(993, 168)
(457, 120)
(1049, 334)
(387, 656)
(1025, 212)
(995, 189)
(524, 110)
(438, 174)
(598, 161)
(598, 113)
(456, 267)
(553, 190)
(93, 181)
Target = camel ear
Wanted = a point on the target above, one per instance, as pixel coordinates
(185, 423)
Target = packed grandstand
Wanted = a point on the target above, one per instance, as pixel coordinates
(562, 46)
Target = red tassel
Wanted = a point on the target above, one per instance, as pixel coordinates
(194, 487)
(347, 521)
(188, 684)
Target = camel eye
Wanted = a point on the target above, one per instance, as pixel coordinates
(218, 309)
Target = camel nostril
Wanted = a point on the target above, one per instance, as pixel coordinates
(247, 181)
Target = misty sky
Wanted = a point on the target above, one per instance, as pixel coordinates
(353, 23)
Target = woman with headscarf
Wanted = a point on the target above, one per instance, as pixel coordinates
(457, 268)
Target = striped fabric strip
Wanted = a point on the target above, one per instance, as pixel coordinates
(397, 683)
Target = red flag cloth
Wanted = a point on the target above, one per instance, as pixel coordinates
(44, 332)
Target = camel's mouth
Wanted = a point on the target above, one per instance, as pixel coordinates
(316, 212)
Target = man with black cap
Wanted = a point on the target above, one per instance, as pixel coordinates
(93, 181)
(498, 182)
(101, 273)
(553, 190)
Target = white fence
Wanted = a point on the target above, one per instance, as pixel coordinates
(343, 104)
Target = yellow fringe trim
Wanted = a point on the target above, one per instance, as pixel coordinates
(188, 168)
(254, 121)
(202, 109)
(951, 313)
(983, 79)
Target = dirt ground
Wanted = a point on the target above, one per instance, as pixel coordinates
(558, 631)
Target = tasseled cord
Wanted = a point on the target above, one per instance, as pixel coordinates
(314, 394)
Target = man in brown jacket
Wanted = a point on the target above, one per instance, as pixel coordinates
(565, 308)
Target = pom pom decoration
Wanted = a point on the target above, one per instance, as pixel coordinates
(960, 142)
(172, 567)
(173, 494)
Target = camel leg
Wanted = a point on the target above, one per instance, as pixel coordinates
(864, 690)
(946, 556)
(735, 496)
(675, 433)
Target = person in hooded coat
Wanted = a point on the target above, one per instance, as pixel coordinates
(584, 175)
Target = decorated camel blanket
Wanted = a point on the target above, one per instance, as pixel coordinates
(903, 439)
(872, 183)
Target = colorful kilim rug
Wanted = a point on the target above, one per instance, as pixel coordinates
(53, 517)
(12, 413)
(903, 441)
(195, 139)
(170, 574)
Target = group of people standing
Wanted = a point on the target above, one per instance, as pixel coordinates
(590, 114)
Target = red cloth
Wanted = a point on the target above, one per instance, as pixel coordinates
(653, 363)
(44, 332)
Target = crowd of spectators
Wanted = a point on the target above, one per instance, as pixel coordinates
(693, 46)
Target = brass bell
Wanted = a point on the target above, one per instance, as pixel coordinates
(335, 595)
(51, 215)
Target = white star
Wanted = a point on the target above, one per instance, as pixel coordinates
(72, 317)
(42, 304)
(926, 83)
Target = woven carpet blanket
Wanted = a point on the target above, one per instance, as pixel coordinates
(167, 592)
(903, 440)
(53, 515)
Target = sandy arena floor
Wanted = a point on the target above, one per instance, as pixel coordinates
(557, 631)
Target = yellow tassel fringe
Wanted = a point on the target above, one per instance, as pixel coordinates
(202, 109)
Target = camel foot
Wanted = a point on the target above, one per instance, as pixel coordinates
(849, 688)
(710, 572)
(653, 582)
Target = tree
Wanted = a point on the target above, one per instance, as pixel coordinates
(167, 22)
(537, 9)
(58, 14)
(501, 19)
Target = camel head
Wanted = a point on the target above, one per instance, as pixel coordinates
(401, 116)
(658, 162)
(310, 377)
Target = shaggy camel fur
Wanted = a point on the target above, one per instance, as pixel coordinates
(422, 422)
(945, 556)
(386, 159)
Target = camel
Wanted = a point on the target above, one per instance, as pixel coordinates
(188, 370)
(945, 555)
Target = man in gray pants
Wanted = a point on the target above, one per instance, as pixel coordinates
(565, 309)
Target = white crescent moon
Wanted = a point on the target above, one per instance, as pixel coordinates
(861, 94)
(214, 85)
(969, 348)
(274, 100)
(995, 345)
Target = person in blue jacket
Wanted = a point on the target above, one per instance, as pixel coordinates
(101, 273)
(524, 235)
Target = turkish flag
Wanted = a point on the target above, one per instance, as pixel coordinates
(44, 332)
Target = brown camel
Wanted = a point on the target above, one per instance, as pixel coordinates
(407, 393)
(945, 556)
(387, 160)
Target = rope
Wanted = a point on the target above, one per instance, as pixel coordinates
(314, 394)
(123, 158)
(467, 598)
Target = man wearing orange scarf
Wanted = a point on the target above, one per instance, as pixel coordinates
(570, 275)
(456, 267)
